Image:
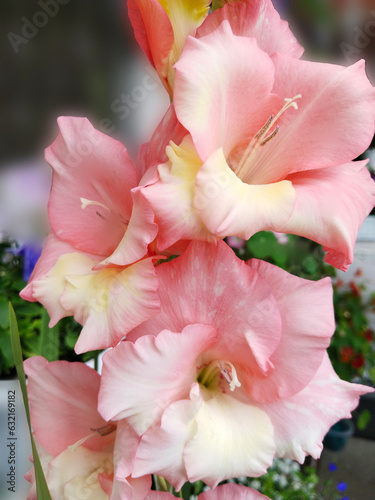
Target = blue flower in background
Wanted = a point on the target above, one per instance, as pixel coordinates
(332, 466)
(342, 486)
(30, 254)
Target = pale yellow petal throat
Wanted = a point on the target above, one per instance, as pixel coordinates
(185, 17)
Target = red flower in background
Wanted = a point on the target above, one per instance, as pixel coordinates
(358, 361)
(355, 288)
(346, 354)
(369, 335)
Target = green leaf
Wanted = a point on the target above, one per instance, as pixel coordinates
(363, 419)
(41, 485)
(264, 245)
(6, 354)
(198, 487)
(49, 346)
(28, 309)
(4, 313)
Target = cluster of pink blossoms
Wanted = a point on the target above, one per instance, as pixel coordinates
(216, 366)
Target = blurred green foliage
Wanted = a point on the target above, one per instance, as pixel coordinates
(296, 255)
(352, 349)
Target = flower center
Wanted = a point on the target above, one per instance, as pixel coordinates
(210, 376)
(264, 136)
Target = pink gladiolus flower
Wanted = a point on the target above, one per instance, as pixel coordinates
(163, 42)
(79, 450)
(231, 373)
(161, 28)
(95, 264)
(270, 145)
(224, 492)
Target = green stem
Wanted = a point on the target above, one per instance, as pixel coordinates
(49, 345)
(161, 484)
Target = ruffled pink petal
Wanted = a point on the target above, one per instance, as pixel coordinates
(257, 19)
(159, 495)
(176, 249)
(334, 122)
(302, 421)
(172, 197)
(48, 283)
(308, 323)
(131, 489)
(52, 250)
(110, 302)
(63, 404)
(126, 445)
(232, 439)
(330, 208)
(107, 302)
(106, 482)
(140, 380)
(230, 207)
(155, 38)
(124, 486)
(176, 428)
(232, 491)
(89, 165)
(220, 99)
(140, 233)
(208, 284)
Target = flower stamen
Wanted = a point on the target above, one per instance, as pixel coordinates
(271, 136)
(209, 375)
(264, 129)
(115, 217)
(229, 373)
(105, 430)
(100, 215)
(261, 138)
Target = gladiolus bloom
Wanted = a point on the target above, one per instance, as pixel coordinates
(79, 450)
(230, 373)
(270, 145)
(95, 263)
